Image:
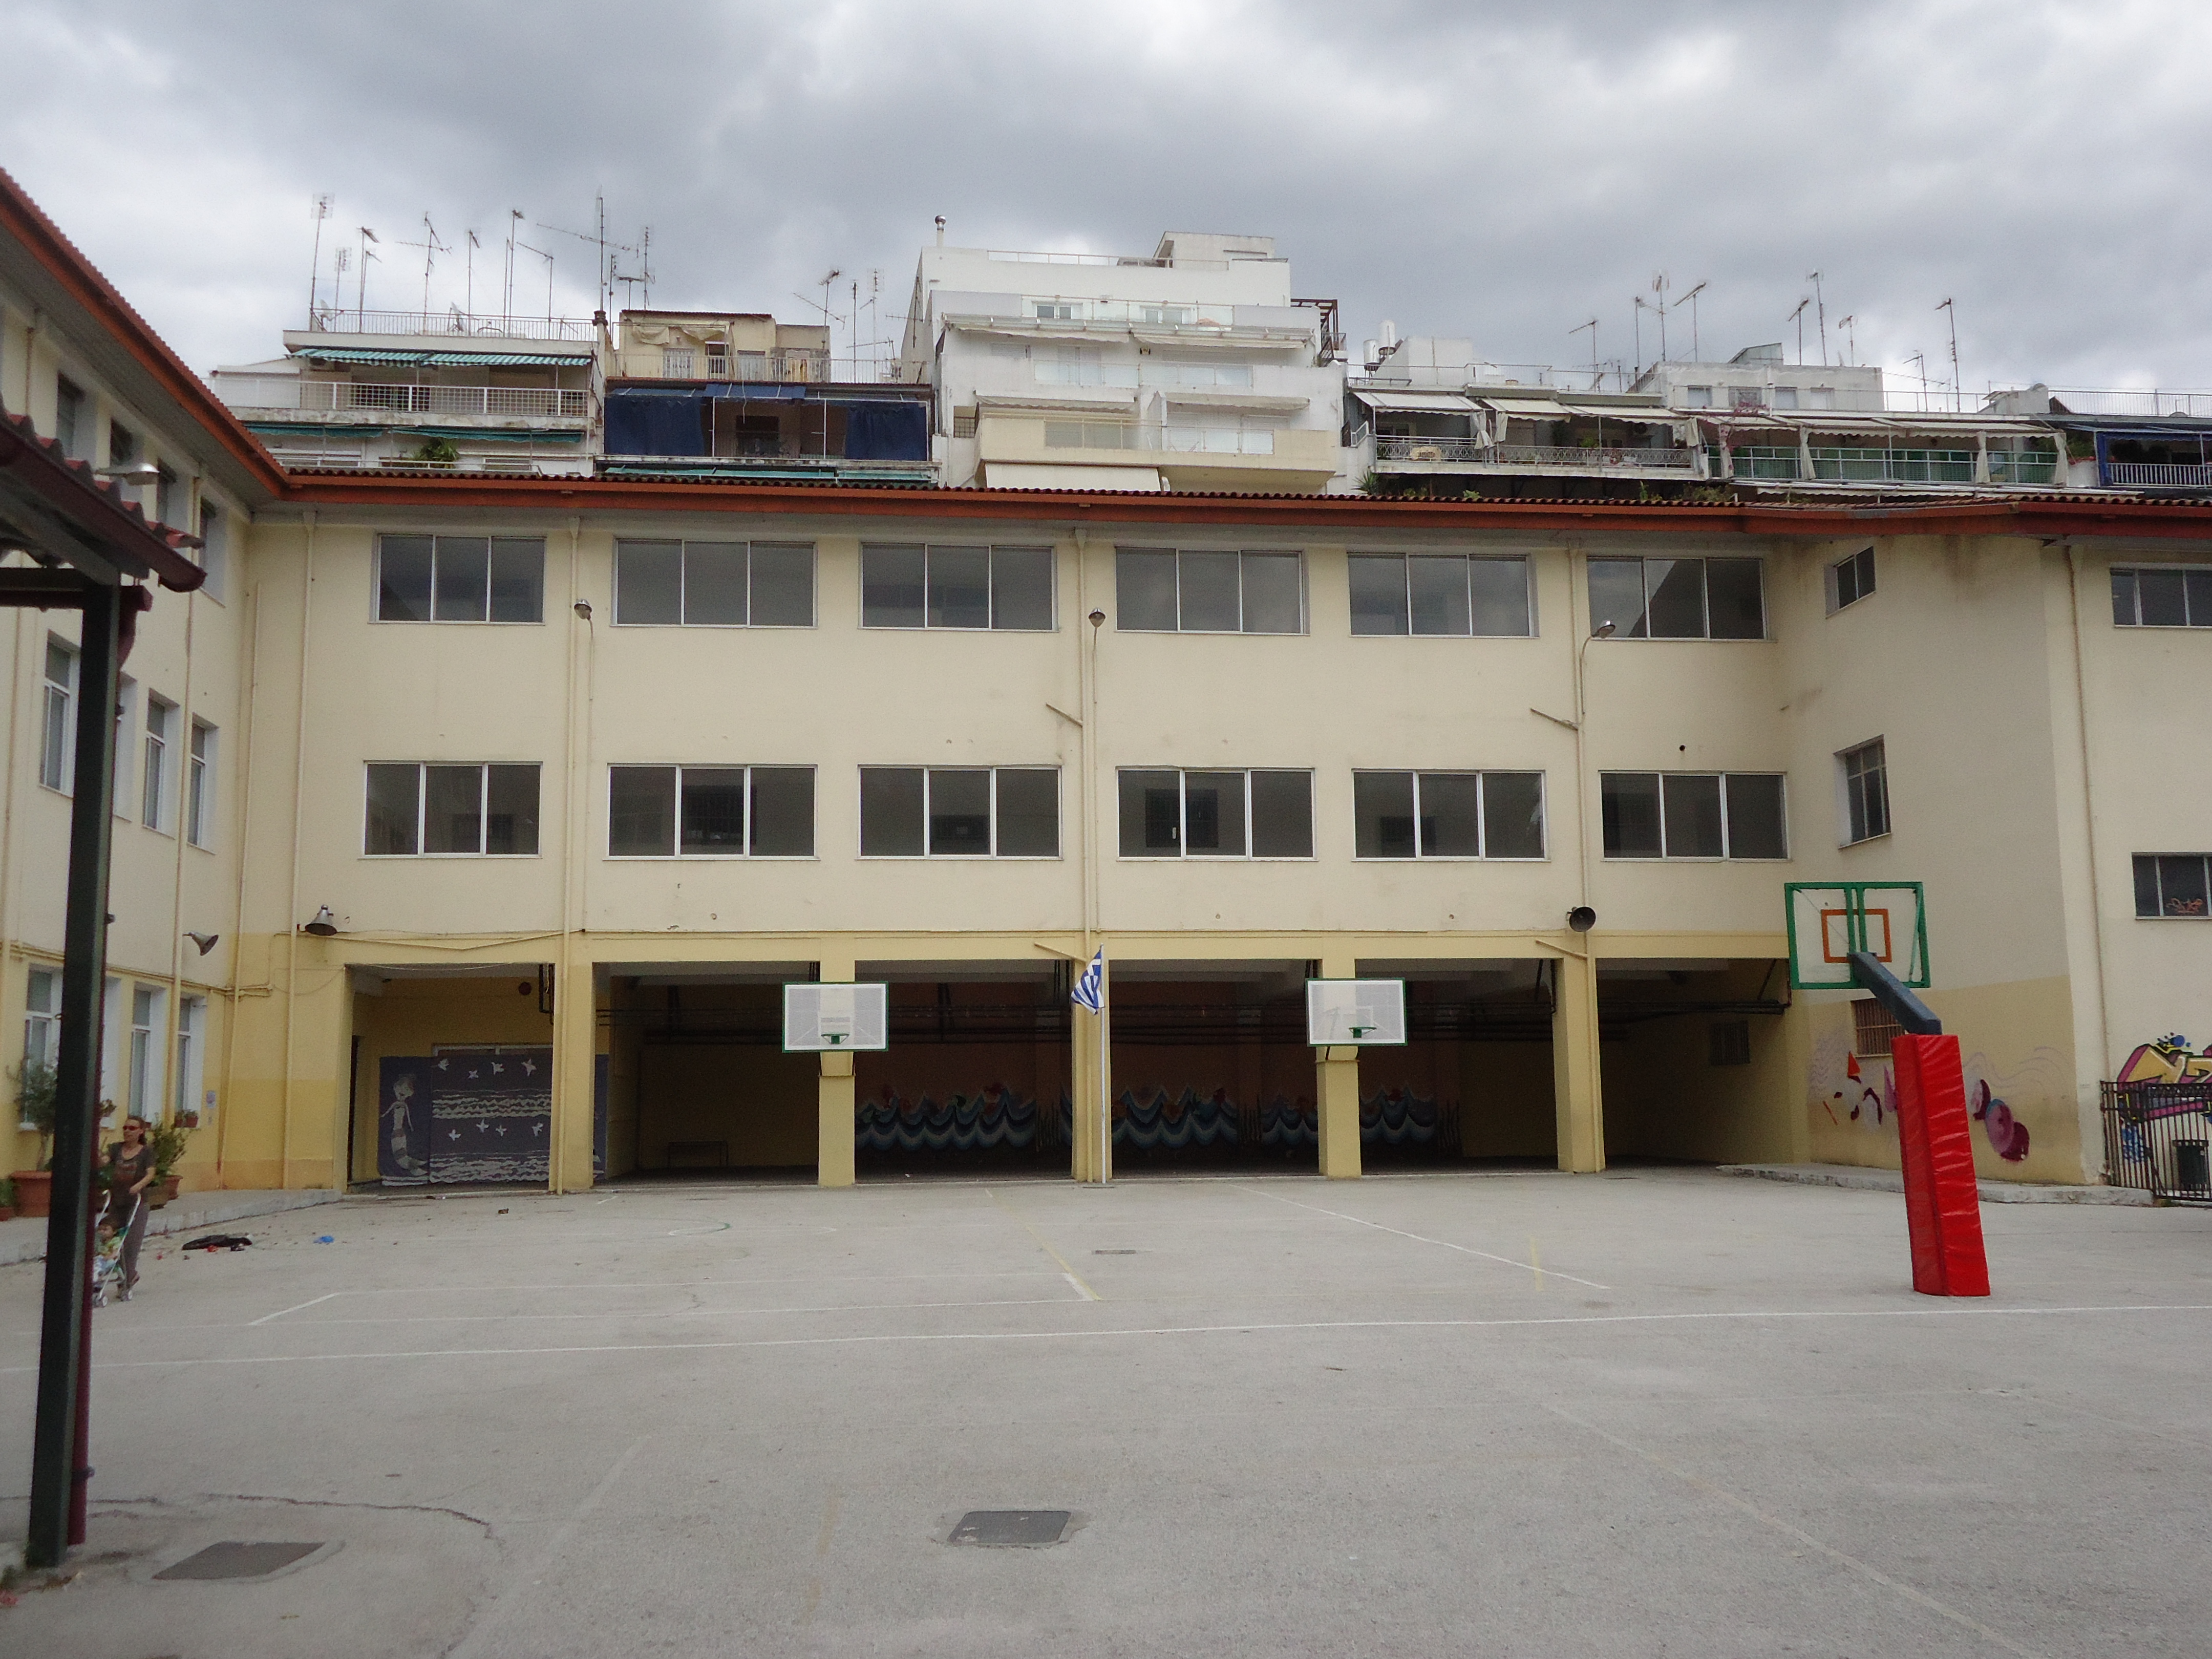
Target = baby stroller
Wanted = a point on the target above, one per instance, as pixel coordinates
(106, 1262)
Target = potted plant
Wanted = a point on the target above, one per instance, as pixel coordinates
(34, 1109)
(168, 1140)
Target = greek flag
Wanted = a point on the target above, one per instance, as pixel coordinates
(1091, 990)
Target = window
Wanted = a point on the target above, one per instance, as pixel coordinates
(1785, 396)
(710, 812)
(2161, 598)
(2173, 884)
(964, 421)
(1168, 814)
(122, 444)
(1161, 590)
(441, 809)
(676, 362)
(1172, 316)
(907, 584)
(1205, 376)
(1874, 1028)
(42, 1018)
(1445, 593)
(1679, 599)
(71, 418)
(164, 497)
(1447, 815)
(1851, 579)
(1822, 397)
(1071, 365)
(1866, 792)
(714, 583)
(124, 689)
(1728, 1042)
(1697, 397)
(199, 786)
(145, 1073)
(973, 811)
(154, 801)
(192, 1032)
(1692, 815)
(1054, 311)
(498, 579)
(215, 553)
(57, 736)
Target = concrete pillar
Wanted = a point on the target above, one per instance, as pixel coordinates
(295, 1072)
(1578, 1085)
(1091, 1158)
(1336, 1090)
(575, 1067)
(833, 1096)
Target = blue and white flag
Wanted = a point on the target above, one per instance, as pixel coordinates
(1091, 990)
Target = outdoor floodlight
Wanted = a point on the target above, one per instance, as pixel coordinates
(205, 941)
(1582, 918)
(584, 609)
(130, 472)
(322, 925)
(1098, 619)
(1602, 631)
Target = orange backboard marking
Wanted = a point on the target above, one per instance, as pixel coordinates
(1835, 934)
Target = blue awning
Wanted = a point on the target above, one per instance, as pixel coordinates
(887, 431)
(661, 422)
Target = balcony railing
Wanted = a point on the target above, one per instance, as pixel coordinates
(1114, 435)
(1765, 461)
(2023, 466)
(1474, 450)
(1893, 466)
(792, 363)
(2184, 474)
(289, 391)
(451, 320)
(2088, 400)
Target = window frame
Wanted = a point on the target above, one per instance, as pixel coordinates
(1641, 631)
(42, 1026)
(199, 786)
(991, 551)
(155, 778)
(994, 856)
(186, 1085)
(683, 545)
(71, 399)
(1182, 853)
(1481, 775)
(57, 718)
(423, 807)
(1844, 780)
(1727, 854)
(1405, 557)
(144, 1076)
(676, 853)
(1862, 581)
(2133, 573)
(1304, 629)
(2153, 860)
(490, 539)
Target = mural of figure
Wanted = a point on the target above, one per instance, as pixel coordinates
(402, 1117)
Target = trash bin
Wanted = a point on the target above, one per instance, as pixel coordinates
(2192, 1166)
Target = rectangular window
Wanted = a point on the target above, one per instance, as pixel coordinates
(145, 1065)
(42, 1018)
(192, 1032)
(1070, 365)
(710, 812)
(199, 786)
(1170, 814)
(2173, 885)
(1851, 579)
(71, 418)
(214, 549)
(2161, 596)
(676, 362)
(1432, 815)
(58, 731)
(1161, 590)
(1442, 594)
(122, 444)
(154, 794)
(1785, 396)
(1679, 599)
(908, 584)
(445, 809)
(166, 503)
(476, 578)
(1692, 815)
(1865, 772)
(1874, 1028)
(714, 583)
(960, 811)
(1697, 397)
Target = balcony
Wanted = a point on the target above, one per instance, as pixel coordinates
(2158, 475)
(2023, 466)
(1575, 457)
(1191, 458)
(451, 320)
(341, 397)
(1892, 465)
(791, 365)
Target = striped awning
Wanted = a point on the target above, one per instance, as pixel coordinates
(389, 356)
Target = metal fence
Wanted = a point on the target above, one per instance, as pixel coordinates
(451, 320)
(2158, 1139)
(2185, 475)
(1896, 466)
(290, 391)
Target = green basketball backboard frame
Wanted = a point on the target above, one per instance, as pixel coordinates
(1828, 919)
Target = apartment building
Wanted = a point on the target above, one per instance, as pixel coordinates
(1194, 367)
(540, 789)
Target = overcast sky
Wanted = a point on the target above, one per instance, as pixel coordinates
(1499, 171)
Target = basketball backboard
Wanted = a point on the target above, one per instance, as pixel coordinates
(1828, 921)
(820, 1018)
(1355, 1012)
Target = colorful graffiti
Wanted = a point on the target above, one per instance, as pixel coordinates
(2007, 1135)
(1859, 1100)
(2168, 1059)
(994, 1117)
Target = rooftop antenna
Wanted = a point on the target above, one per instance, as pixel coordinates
(547, 258)
(1659, 288)
(1956, 388)
(1820, 310)
(432, 247)
(1637, 317)
(1851, 338)
(1690, 299)
(468, 291)
(1798, 317)
(1922, 376)
(341, 263)
(1592, 326)
(315, 260)
(506, 298)
(606, 252)
(361, 295)
(642, 277)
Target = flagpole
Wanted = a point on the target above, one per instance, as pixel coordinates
(1105, 1089)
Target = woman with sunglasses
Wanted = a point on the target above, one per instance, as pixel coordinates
(129, 1172)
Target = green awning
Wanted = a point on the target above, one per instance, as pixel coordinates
(360, 354)
(387, 357)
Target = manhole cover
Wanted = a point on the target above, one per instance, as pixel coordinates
(234, 1560)
(1010, 1528)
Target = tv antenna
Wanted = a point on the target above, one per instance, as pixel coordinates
(607, 278)
(1592, 326)
(1821, 311)
(1851, 338)
(469, 288)
(315, 259)
(642, 277)
(1798, 317)
(432, 247)
(1690, 300)
(542, 254)
(1955, 388)
(360, 293)
(1659, 288)
(1636, 316)
(506, 298)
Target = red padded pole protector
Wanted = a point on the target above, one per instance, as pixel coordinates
(1943, 1205)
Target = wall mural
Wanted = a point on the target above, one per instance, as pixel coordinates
(994, 1116)
(1859, 1091)
(482, 1116)
(1390, 1117)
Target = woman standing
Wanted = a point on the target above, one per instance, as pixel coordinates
(129, 1172)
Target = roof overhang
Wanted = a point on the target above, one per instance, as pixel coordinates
(55, 509)
(1417, 402)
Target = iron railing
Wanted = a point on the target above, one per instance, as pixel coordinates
(1679, 461)
(791, 364)
(451, 320)
(2158, 1139)
(1765, 461)
(1894, 466)
(289, 391)
(1192, 441)
(2185, 475)
(2089, 400)
(2023, 466)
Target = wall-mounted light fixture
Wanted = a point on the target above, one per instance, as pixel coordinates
(1582, 918)
(584, 610)
(205, 941)
(322, 925)
(130, 472)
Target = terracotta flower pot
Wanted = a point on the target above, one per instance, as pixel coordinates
(35, 1190)
(161, 1191)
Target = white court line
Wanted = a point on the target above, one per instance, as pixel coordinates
(1419, 1239)
(281, 1312)
(547, 1558)
(1149, 1330)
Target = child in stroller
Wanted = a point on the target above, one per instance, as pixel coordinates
(106, 1260)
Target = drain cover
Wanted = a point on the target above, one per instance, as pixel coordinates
(234, 1560)
(1010, 1528)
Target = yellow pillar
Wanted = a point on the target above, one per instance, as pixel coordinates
(1336, 1103)
(575, 1067)
(833, 1095)
(1578, 1085)
(294, 1073)
(1091, 1158)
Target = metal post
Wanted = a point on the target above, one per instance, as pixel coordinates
(57, 1476)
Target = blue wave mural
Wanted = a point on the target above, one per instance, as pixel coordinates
(1399, 1117)
(992, 1117)
(1187, 1120)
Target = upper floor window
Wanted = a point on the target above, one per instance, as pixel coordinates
(1851, 579)
(1070, 365)
(1448, 815)
(166, 503)
(1170, 814)
(214, 546)
(122, 444)
(975, 811)
(2173, 884)
(199, 786)
(2161, 596)
(161, 732)
(1170, 316)
(498, 579)
(1228, 377)
(714, 583)
(1865, 774)
(1692, 815)
(710, 812)
(1679, 599)
(908, 584)
(676, 362)
(1447, 593)
(1785, 396)
(1821, 397)
(72, 418)
(1056, 311)
(440, 808)
(57, 731)
(1163, 590)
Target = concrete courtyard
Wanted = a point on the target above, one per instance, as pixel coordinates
(1658, 1411)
